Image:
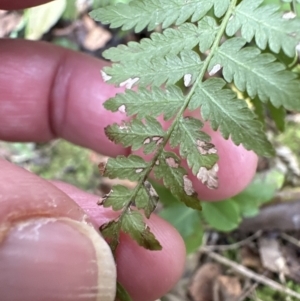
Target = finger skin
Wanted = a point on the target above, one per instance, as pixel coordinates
(143, 273)
(146, 274)
(47, 92)
(12, 4)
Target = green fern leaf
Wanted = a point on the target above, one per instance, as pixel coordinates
(194, 144)
(268, 26)
(175, 178)
(278, 115)
(137, 134)
(231, 115)
(117, 198)
(141, 13)
(111, 232)
(258, 74)
(131, 167)
(133, 224)
(157, 71)
(147, 199)
(120, 197)
(145, 102)
(171, 41)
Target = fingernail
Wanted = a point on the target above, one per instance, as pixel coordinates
(48, 259)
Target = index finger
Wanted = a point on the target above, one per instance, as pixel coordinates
(9, 5)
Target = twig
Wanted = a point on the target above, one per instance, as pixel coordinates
(290, 239)
(250, 274)
(235, 245)
(248, 292)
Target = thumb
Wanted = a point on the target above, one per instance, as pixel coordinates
(48, 248)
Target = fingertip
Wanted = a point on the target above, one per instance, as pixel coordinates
(148, 275)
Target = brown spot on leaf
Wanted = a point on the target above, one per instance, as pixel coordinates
(209, 177)
(205, 148)
(171, 162)
(104, 198)
(102, 167)
(151, 190)
(188, 186)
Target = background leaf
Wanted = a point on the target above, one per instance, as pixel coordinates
(223, 216)
(41, 18)
(186, 220)
(261, 190)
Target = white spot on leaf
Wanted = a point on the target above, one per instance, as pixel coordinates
(215, 69)
(188, 186)
(289, 15)
(128, 84)
(157, 139)
(171, 162)
(209, 177)
(124, 126)
(205, 148)
(139, 170)
(157, 162)
(187, 80)
(105, 76)
(147, 141)
(151, 190)
(122, 109)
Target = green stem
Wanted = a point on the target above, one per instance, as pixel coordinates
(185, 104)
(294, 7)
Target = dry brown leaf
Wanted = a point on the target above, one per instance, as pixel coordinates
(226, 288)
(271, 255)
(250, 259)
(201, 287)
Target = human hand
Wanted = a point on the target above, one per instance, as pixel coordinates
(47, 234)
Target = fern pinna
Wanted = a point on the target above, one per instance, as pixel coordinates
(177, 69)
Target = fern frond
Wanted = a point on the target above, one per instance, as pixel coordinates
(175, 178)
(151, 13)
(131, 223)
(145, 102)
(258, 74)
(230, 115)
(120, 197)
(137, 134)
(171, 41)
(267, 24)
(157, 71)
(132, 167)
(194, 144)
